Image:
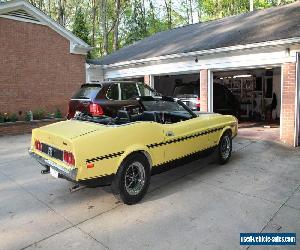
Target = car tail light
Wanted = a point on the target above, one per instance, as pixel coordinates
(38, 145)
(96, 109)
(69, 158)
(198, 103)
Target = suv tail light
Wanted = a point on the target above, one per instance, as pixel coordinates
(38, 145)
(69, 158)
(96, 109)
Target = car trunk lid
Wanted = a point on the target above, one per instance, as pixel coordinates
(70, 129)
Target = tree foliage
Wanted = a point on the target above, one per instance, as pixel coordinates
(80, 27)
(111, 24)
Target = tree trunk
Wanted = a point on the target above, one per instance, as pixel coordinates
(49, 8)
(104, 26)
(187, 12)
(168, 4)
(191, 11)
(152, 14)
(61, 12)
(94, 22)
(116, 27)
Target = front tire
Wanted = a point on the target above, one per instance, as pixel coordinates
(224, 148)
(132, 180)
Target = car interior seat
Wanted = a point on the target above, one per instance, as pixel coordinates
(150, 116)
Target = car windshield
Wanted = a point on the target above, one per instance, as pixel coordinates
(166, 104)
(145, 90)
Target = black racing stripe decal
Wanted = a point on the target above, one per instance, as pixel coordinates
(184, 156)
(93, 177)
(180, 139)
(105, 157)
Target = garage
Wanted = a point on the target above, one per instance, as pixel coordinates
(217, 66)
(252, 95)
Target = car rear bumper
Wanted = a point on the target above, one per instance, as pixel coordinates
(47, 164)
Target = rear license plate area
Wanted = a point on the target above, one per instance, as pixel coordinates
(53, 172)
(52, 152)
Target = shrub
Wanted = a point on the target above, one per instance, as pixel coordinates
(57, 114)
(2, 118)
(13, 117)
(39, 114)
(28, 116)
(50, 115)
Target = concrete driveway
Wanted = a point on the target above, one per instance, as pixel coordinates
(200, 205)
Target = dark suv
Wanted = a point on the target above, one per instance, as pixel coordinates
(106, 98)
(224, 100)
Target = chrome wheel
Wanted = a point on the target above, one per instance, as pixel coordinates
(135, 178)
(225, 148)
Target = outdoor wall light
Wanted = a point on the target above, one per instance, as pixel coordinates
(196, 59)
(287, 51)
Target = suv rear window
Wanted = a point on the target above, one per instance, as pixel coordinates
(87, 92)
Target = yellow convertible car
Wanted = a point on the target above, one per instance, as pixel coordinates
(124, 151)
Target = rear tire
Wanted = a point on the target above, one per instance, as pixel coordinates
(224, 148)
(132, 179)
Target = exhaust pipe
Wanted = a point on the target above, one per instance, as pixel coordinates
(46, 170)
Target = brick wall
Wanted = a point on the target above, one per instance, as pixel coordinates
(22, 127)
(204, 90)
(36, 68)
(288, 103)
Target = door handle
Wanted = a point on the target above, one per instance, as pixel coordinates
(169, 133)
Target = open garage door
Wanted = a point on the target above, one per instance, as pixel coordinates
(254, 96)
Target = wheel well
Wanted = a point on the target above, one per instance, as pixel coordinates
(142, 152)
(227, 131)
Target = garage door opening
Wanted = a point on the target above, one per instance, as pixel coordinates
(186, 87)
(254, 96)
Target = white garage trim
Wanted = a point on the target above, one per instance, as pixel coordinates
(297, 103)
(281, 93)
(223, 61)
(151, 81)
(280, 42)
(210, 91)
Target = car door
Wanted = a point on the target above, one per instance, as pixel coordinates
(185, 138)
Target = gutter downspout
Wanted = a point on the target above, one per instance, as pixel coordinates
(297, 103)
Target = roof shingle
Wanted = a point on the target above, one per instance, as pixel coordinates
(252, 27)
